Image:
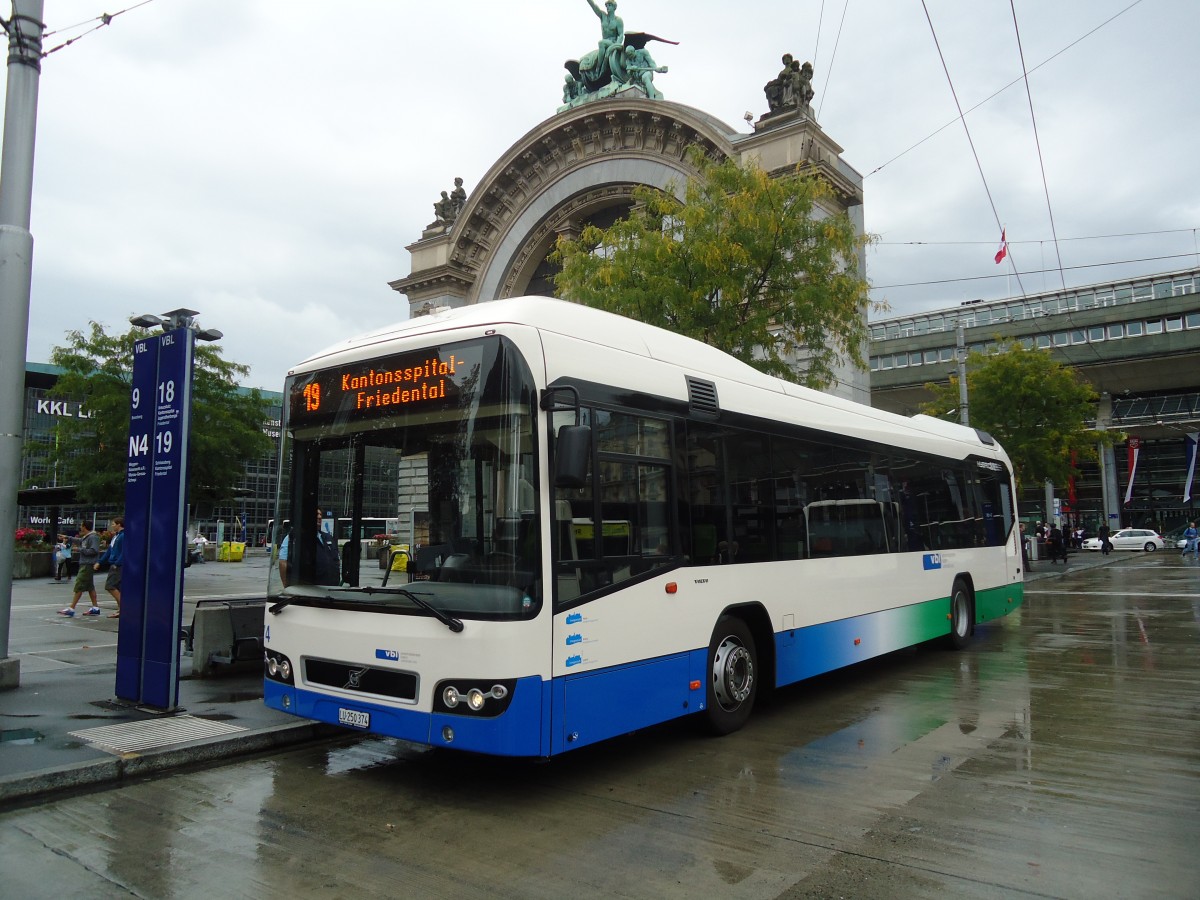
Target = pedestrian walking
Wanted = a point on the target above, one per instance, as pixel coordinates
(114, 556)
(1191, 536)
(87, 543)
(1056, 545)
(1105, 544)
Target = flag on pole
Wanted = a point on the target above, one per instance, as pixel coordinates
(1135, 445)
(1190, 442)
(1003, 251)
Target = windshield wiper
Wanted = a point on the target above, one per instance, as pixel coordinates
(289, 599)
(276, 608)
(446, 619)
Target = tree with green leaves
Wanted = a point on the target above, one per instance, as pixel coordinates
(752, 264)
(1035, 407)
(227, 421)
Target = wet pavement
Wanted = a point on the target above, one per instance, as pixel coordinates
(1058, 756)
(48, 736)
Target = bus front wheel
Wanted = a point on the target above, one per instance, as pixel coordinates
(732, 676)
(961, 606)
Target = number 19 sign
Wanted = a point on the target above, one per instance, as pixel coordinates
(155, 508)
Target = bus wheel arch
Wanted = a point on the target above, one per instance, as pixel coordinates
(962, 612)
(740, 653)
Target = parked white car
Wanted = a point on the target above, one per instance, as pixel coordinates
(1130, 539)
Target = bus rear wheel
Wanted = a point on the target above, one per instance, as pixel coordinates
(732, 676)
(961, 607)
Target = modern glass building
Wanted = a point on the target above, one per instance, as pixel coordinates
(1137, 341)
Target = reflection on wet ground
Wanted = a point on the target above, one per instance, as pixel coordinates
(1058, 756)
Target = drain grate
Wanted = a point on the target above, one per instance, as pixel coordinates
(129, 737)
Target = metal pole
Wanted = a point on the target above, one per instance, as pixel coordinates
(16, 273)
(961, 353)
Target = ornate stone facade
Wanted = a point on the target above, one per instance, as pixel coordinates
(584, 163)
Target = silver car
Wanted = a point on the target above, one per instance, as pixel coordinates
(1130, 539)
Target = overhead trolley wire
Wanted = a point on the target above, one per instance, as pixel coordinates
(1088, 237)
(997, 93)
(833, 56)
(1118, 262)
(103, 19)
(1038, 144)
(962, 118)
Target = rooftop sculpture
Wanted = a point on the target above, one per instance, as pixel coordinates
(619, 62)
(447, 208)
(791, 88)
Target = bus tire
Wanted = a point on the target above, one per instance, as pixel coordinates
(962, 608)
(732, 676)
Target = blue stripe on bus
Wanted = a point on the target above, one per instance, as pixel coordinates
(593, 706)
(516, 733)
(804, 652)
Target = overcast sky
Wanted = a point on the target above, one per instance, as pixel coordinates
(266, 161)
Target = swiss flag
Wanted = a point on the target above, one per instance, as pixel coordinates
(1003, 251)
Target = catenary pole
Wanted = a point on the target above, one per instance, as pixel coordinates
(960, 353)
(16, 272)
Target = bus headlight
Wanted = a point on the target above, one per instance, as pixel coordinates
(473, 696)
(278, 667)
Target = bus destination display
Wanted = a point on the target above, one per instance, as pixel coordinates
(373, 388)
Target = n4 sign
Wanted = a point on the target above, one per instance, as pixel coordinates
(139, 444)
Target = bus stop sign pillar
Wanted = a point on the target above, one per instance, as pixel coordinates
(155, 509)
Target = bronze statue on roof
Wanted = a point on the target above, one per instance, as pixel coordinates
(620, 61)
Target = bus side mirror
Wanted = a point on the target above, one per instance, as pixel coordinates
(572, 452)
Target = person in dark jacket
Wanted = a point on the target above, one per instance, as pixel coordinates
(114, 556)
(1056, 545)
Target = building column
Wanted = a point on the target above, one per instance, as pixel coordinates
(1111, 507)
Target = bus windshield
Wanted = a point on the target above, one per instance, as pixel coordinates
(438, 440)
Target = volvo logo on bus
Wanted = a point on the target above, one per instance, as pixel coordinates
(356, 677)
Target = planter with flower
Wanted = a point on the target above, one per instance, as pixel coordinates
(33, 557)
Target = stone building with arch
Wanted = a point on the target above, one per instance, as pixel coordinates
(580, 166)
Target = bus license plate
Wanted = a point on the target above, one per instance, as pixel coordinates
(354, 718)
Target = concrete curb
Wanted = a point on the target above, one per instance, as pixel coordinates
(119, 769)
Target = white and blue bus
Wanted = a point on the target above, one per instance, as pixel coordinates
(625, 526)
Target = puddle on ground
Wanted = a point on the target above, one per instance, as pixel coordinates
(21, 736)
